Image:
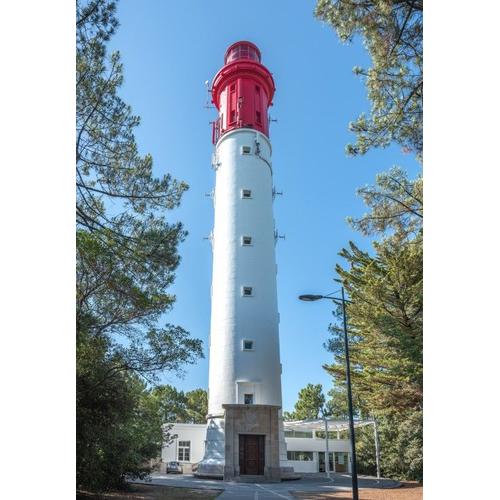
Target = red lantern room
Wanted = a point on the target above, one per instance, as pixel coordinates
(242, 91)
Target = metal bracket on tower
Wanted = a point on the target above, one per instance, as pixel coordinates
(278, 236)
(209, 91)
(210, 194)
(257, 145)
(276, 193)
(210, 238)
(215, 161)
(257, 154)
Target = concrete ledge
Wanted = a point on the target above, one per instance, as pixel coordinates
(215, 471)
(199, 475)
(288, 474)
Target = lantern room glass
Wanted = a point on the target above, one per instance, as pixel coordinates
(242, 50)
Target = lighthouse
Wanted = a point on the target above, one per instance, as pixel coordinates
(244, 424)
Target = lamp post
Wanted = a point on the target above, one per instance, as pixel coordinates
(342, 301)
(327, 451)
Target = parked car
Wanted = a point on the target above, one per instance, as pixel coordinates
(174, 467)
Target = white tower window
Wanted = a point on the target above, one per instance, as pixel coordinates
(247, 291)
(246, 193)
(246, 240)
(247, 345)
(246, 150)
(248, 398)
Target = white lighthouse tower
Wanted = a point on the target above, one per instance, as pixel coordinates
(244, 426)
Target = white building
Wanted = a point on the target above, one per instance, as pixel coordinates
(305, 442)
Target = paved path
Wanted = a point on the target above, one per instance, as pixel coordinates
(271, 491)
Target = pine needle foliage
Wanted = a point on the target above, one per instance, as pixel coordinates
(127, 254)
(309, 405)
(384, 286)
(391, 31)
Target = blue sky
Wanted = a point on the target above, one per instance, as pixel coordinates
(169, 49)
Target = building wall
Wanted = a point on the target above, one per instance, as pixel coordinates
(195, 433)
(314, 444)
(304, 466)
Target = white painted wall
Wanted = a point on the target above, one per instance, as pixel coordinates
(313, 444)
(195, 433)
(304, 465)
(234, 372)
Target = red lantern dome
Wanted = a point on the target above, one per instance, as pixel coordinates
(242, 91)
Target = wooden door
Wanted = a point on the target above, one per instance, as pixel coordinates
(251, 454)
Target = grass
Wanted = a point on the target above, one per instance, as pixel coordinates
(152, 492)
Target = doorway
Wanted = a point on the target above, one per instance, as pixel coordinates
(341, 461)
(321, 461)
(252, 454)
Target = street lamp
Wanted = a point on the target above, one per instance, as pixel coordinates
(312, 298)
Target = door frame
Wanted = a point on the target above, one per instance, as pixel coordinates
(261, 453)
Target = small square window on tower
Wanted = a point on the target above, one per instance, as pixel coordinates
(246, 193)
(248, 398)
(247, 291)
(246, 240)
(246, 150)
(247, 345)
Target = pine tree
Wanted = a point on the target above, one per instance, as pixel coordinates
(127, 254)
(309, 405)
(392, 33)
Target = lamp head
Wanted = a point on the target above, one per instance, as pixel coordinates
(310, 298)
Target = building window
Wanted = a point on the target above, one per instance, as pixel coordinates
(299, 434)
(248, 398)
(246, 193)
(303, 456)
(246, 240)
(258, 118)
(232, 104)
(184, 451)
(331, 434)
(246, 150)
(247, 291)
(248, 345)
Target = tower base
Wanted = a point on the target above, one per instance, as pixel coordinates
(244, 445)
(212, 465)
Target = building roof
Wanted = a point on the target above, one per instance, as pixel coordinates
(319, 425)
